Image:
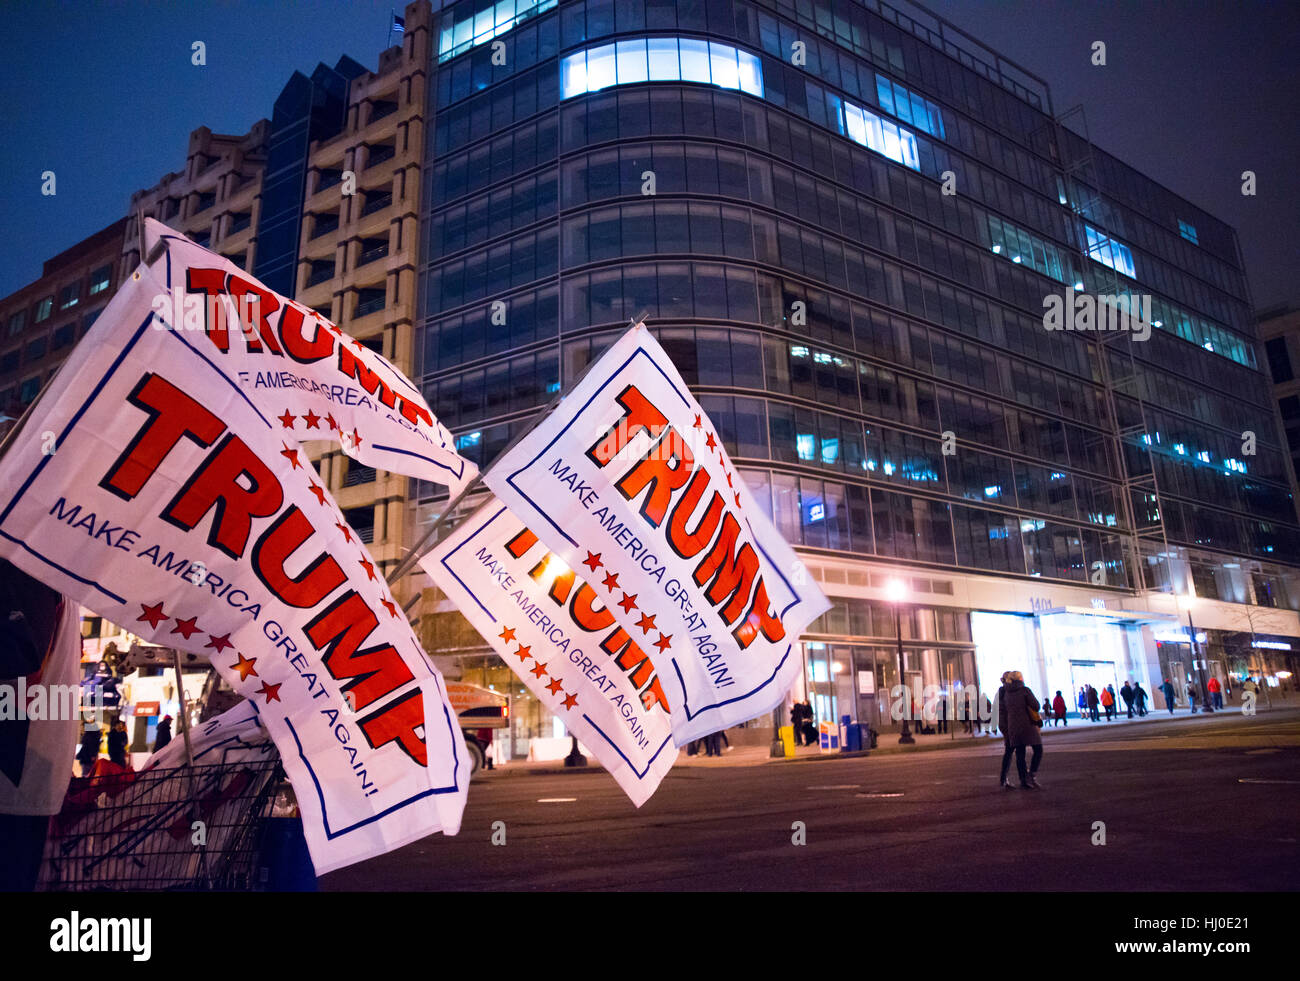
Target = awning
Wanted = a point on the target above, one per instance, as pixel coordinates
(1131, 617)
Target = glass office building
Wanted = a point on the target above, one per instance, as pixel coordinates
(842, 220)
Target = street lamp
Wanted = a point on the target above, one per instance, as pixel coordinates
(896, 592)
(1205, 691)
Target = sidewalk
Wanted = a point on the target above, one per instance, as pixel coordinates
(887, 744)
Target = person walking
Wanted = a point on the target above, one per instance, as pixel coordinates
(796, 722)
(941, 717)
(1191, 695)
(1216, 695)
(117, 743)
(1058, 710)
(163, 734)
(1108, 702)
(1167, 689)
(1019, 706)
(88, 752)
(1093, 701)
(1140, 699)
(1083, 702)
(1007, 748)
(1047, 711)
(1127, 694)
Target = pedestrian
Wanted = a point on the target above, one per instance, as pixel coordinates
(163, 734)
(1167, 689)
(1216, 695)
(88, 752)
(1047, 711)
(1140, 699)
(1058, 710)
(796, 722)
(117, 743)
(1002, 718)
(1093, 701)
(941, 721)
(726, 743)
(1018, 720)
(1083, 702)
(1127, 694)
(1108, 702)
(1191, 696)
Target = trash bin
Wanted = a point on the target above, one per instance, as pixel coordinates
(873, 737)
(852, 738)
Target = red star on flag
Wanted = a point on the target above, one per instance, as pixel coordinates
(287, 419)
(347, 533)
(646, 623)
(555, 686)
(272, 692)
(523, 653)
(390, 607)
(728, 479)
(611, 581)
(312, 420)
(153, 615)
(592, 561)
(356, 440)
(220, 643)
(570, 701)
(736, 495)
(539, 669)
(329, 421)
(663, 643)
(369, 567)
(318, 490)
(290, 455)
(508, 634)
(356, 342)
(244, 666)
(710, 442)
(186, 628)
(628, 602)
(697, 425)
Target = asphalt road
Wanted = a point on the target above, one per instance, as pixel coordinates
(1198, 804)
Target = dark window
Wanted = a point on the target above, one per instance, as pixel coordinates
(64, 336)
(362, 521)
(43, 310)
(9, 362)
(358, 474)
(1279, 361)
(240, 220)
(321, 270)
(324, 224)
(89, 319)
(328, 178)
(31, 388)
(379, 152)
(380, 109)
(99, 279)
(376, 201)
(206, 200)
(17, 322)
(36, 349)
(372, 249)
(369, 300)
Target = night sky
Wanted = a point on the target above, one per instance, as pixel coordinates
(106, 96)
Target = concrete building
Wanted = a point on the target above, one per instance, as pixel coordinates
(858, 216)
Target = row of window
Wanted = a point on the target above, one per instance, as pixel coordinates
(469, 25)
(509, 208)
(482, 331)
(68, 297)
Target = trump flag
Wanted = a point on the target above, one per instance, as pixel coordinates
(151, 486)
(296, 366)
(558, 635)
(628, 483)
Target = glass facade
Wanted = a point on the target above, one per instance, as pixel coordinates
(763, 181)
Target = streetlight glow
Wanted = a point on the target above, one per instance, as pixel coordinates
(895, 590)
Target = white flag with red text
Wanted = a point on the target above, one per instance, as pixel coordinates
(556, 632)
(314, 380)
(628, 483)
(151, 486)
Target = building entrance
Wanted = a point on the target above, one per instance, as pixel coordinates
(1099, 674)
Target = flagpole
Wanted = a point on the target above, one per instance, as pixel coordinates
(429, 538)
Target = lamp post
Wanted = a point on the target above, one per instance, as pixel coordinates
(1205, 691)
(897, 592)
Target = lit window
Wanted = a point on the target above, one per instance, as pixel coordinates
(695, 60)
(804, 445)
(722, 60)
(43, 310)
(601, 68)
(631, 62)
(1187, 231)
(663, 59)
(99, 280)
(751, 73)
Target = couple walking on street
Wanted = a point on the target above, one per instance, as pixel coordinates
(1019, 721)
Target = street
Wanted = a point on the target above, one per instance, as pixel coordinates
(1200, 803)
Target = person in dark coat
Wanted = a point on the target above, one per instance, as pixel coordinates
(117, 743)
(796, 722)
(1191, 695)
(1167, 689)
(1017, 703)
(1058, 710)
(88, 753)
(1140, 699)
(1002, 725)
(163, 734)
(1093, 701)
(1127, 694)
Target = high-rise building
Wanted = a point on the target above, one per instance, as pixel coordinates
(1279, 329)
(848, 223)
